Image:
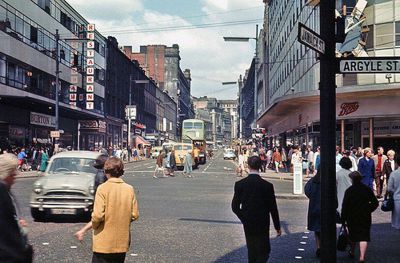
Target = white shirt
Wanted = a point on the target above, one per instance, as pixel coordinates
(392, 164)
(354, 166)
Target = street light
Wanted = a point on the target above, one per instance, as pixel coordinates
(247, 39)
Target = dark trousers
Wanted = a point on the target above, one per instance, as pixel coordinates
(258, 246)
(108, 258)
(379, 183)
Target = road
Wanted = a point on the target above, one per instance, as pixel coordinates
(190, 220)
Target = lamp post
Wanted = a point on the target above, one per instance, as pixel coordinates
(247, 39)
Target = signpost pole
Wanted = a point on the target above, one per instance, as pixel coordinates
(328, 132)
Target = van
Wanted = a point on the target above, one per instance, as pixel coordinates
(181, 149)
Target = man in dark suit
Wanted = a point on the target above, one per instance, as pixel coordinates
(253, 201)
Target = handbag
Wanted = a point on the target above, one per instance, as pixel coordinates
(342, 239)
(388, 204)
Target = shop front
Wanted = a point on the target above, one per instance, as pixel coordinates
(114, 132)
(92, 134)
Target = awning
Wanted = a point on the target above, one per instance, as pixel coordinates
(141, 140)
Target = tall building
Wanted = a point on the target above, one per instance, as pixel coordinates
(162, 64)
(365, 112)
(28, 69)
(217, 118)
(246, 102)
(127, 83)
(231, 107)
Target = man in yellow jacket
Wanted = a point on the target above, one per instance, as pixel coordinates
(115, 207)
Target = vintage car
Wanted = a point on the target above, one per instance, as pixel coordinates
(229, 154)
(67, 187)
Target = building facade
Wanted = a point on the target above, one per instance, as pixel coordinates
(166, 117)
(365, 112)
(246, 102)
(231, 107)
(127, 84)
(27, 75)
(162, 64)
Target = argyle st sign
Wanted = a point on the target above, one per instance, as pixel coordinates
(369, 65)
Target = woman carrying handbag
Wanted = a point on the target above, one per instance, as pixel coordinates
(394, 189)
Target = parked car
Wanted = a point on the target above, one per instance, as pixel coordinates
(67, 187)
(229, 154)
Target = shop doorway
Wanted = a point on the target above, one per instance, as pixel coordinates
(386, 142)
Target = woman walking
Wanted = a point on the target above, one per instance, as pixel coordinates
(44, 159)
(277, 159)
(312, 190)
(343, 180)
(394, 189)
(389, 166)
(187, 168)
(358, 204)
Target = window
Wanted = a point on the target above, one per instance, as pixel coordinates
(384, 35)
(397, 33)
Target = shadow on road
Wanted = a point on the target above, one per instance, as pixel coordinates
(384, 247)
(210, 221)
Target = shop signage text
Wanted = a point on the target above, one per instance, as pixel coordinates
(347, 108)
(43, 119)
(370, 65)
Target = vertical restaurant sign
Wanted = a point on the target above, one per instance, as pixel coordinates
(90, 51)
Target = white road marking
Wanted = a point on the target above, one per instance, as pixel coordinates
(74, 247)
(303, 243)
(45, 244)
(298, 257)
(134, 255)
(305, 237)
(300, 249)
(306, 232)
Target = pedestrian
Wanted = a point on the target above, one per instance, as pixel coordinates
(352, 159)
(14, 246)
(44, 159)
(358, 204)
(240, 167)
(187, 167)
(310, 159)
(263, 158)
(99, 178)
(379, 160)
(343, 180)
(296, 157)
(317, 159)
(366, 167)
(389, 166)
(269, 158)
(159, 165)
(312, 190)
(129, 153)
(114, 209)
(21, 158)
(253, 202)
(277, 159)
(284, 159)
(172, 163)
(338, 158)
(394, 189)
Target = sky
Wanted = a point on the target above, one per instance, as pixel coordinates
(197, 26)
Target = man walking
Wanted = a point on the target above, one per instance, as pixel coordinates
(379, 160)
(253, 201)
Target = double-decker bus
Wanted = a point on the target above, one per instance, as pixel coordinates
(193, 132)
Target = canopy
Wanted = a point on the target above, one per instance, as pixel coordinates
(141, 140)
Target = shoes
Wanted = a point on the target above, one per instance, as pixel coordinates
(318, 253)
(155, 176)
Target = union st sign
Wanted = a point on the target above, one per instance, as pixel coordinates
(369, 65)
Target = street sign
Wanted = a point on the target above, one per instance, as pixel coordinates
(297, 178)
(369, 65)
(311, 39)
(55, 134)
(130, 112)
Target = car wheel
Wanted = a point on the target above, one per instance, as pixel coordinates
(37, 215)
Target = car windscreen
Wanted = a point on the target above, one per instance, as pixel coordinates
(183, 147)
(72, 165)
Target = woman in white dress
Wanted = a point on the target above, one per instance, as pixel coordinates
(394, 189)
(343, 180)
(241, 163)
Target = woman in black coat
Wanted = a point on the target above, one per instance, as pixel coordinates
(358, 204)
(313, 191)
